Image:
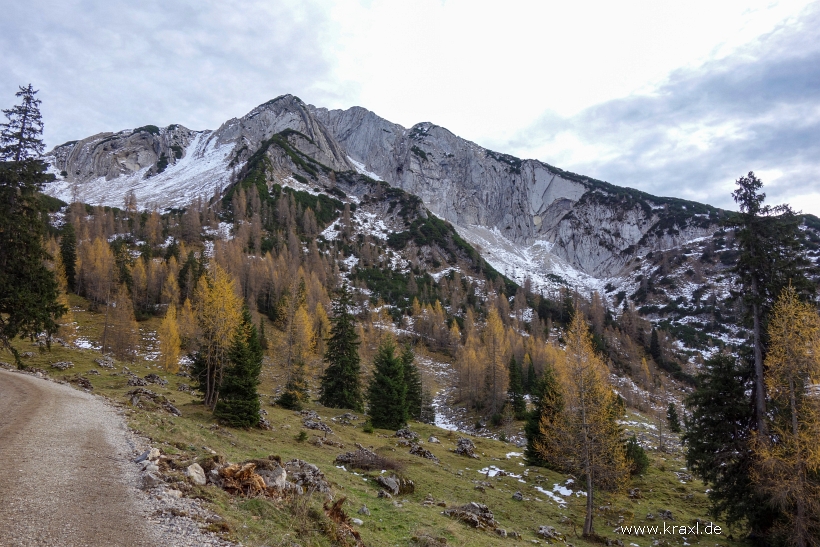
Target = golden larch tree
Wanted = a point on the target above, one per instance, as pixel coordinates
(169, 341)
(496, 349)
(788, 459)
(585, 439)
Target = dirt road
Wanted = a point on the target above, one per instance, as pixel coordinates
(65, 479)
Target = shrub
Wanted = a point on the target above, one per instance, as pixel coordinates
(636, 457)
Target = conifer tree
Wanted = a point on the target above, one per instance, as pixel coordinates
(238, 403)
(515, 391)
(28, 289)
(672, 418)
(387, 392)
(718, 437)
(787, 466)
(548, 407)
(341, 385)
(655, 348)
(120, 329)
(412, 379)
(169, 341)
(531, 381)
(68, 253)
(296, 389)
(585, 439)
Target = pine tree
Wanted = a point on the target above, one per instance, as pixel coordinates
(585, 439)
(68, 253)
(787, 466)
(515, 391)
(169, 341)
(412, 379)
(238, 403)
(341, 385)
(655, 348)
(387, 392)
(672, 418)
(28, 289)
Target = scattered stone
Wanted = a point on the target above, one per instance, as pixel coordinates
(105, 362)
(150, 480)
(465, 447)
(142, 457)
(308, 476)
(274, 477)
(263, 422)
(84, 383)
(480, 488)
(428, 501)
(185, 388)
(309, 415)
(27, 354)
(345, 419)
(136, 397)
(665, 514)
(650, 516)
(635, 493)
(357, 522)
(196, 474)
(364, 511)
(407, 434)
(383, 494)
(474, 514)
(617, 542)
(155, 379)
(418, 450)
(318, 426)
(548, 532)
(62, 365)
(518, 496)
(433, 440)
(501, 532)
(183, 374)
(94, 371)
(136, 381)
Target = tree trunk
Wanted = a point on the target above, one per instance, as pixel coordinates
(588, 518)
(760, 385)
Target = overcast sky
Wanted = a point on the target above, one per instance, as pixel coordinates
(674, 98)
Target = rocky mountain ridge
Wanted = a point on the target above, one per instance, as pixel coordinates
(529, 219)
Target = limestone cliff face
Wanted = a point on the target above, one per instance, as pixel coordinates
(596, 227)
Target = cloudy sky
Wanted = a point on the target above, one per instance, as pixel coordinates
(676, 98)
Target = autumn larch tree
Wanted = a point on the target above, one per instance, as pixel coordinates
(496, 351)
(341, 384)
(586, 439)
(218, 314)
(28, 289)
(238, 403)
(169, 341)
(787, 467)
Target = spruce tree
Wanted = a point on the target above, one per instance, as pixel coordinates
(341, 385)
(68, 252)
(548, 405)
(238, 403)
(515, 391)
(296, 389)
(718, 436)
(28, 289)
(655, 348)
(412, 379)
(531, 382)
(387, 392)
(672, 418)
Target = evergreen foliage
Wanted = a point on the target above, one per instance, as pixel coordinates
(28, 289)
(548, 405)
(515, 391)
(387, 392)
(636, 457)
(412, 380)
(531, 380)
(341, 385)
(68, 253)
(296, 389)
(238, 403)
(672, 418)
(655, 348)
(718, 435)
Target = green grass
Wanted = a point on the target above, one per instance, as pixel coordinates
(258, 522)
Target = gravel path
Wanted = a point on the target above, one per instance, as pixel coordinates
(67, 477)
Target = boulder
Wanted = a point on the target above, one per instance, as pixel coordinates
(518, 496)
(150, 480)
(307, 476)
(548, 532)
(196, 474)
(474, 514)
(418, 450)
(465, 447)
(62, 365)
(407, 434)
(364, 511)
(155, 379)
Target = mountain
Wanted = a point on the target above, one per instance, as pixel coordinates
(528, 219)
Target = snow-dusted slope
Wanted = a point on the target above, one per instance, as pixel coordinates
(202, 171)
